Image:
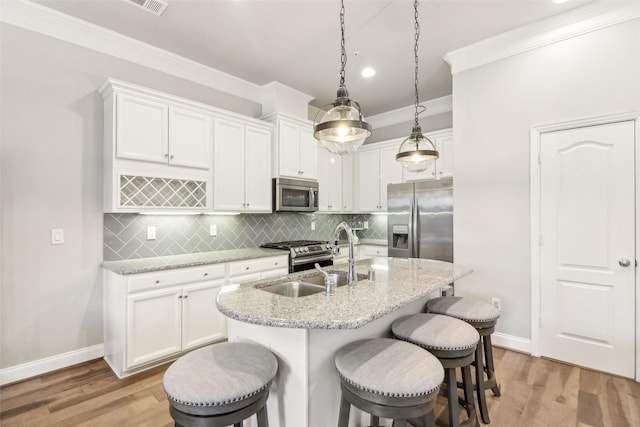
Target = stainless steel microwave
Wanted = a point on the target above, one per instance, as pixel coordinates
(295, 195)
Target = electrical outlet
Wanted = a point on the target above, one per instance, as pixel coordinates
(496, 303)
(57, 236)
(213, 230)
(365, 225)
(151, 233)
(313, 226)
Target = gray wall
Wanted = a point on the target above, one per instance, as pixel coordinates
(51, 177)
(494, 108)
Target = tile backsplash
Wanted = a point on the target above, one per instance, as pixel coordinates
(125, 235)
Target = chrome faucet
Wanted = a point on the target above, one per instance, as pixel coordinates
(329, 282)
(351, 277)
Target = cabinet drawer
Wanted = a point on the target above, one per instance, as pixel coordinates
(159, 279)
(375, 250)
(257, 265)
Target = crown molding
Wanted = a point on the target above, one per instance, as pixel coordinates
(592, 17)
(34, 17)
(406, 114)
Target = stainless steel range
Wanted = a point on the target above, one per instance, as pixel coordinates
(303, 254)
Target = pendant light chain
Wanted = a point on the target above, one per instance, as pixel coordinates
(415, 54)
(343, 51)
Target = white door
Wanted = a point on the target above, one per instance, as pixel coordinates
(228, 169)
(288, 145)
(390, 173)
(308, 151)
(368, 180)
(587, 256)
(141, 129)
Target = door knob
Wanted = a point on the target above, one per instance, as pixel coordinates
(624, 262)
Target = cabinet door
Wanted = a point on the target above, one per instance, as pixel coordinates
(308, 152)
(347, 182)
(368, 180)
(201, 321)
(228, 170)
(153, 326)
(257, 187)
(329, 181)
(141, 129)
(444, 164)
(390, 173)
(323, 180)
(190, 138)
(288, 145)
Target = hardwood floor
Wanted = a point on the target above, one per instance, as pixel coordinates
(535, 392)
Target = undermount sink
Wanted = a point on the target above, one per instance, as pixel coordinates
(340, 278)
(308, 285)
(294, 289)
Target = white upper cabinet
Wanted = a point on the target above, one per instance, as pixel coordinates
(154, 131)
(347, 182)
(242, 172)
(329, 182)
(376, 168)
(141, 129)
(189, 138)
(295, 150)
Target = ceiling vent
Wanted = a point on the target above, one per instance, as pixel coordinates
(154, 6)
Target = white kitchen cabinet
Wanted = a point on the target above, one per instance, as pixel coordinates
(329, 182)
(347, 182)
(294, 149)
(370, 251)
(157, 150)
(153, 317)
(256, 269)
(376, 168)
(443, 166)
(156, 131)
(242, 170)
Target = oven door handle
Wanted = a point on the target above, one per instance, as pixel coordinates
(309, 259)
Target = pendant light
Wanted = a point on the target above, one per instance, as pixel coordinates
(342, 128)
(417, 152)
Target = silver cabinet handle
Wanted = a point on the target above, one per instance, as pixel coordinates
(624, 262)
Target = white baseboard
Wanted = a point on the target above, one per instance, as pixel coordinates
(48, 364)
(511, 342)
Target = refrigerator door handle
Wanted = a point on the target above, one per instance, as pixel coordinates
(415, 213)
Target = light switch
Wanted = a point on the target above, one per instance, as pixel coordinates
(57, 236)
(151, 233)
(213, 230)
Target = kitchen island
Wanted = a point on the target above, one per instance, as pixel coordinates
(305, 332)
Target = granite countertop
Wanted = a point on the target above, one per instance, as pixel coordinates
(145, 265)
(398, 281)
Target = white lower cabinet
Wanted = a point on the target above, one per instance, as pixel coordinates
(256, 269)
(371, 251)
(150, 318)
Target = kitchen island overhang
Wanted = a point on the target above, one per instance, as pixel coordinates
(305, 333)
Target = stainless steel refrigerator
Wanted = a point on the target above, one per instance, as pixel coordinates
(420, 220)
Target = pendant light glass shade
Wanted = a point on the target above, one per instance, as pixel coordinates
(342, 129)
(417, 152)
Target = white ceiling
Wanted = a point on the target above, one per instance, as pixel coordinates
(297, 42)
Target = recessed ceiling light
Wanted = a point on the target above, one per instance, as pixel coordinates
(368, 72)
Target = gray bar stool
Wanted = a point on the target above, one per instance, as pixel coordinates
(453, 342)
(482, 316)
(220, 385)
(388, 378)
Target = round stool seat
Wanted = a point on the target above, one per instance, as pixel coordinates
(472, 310)
(219, 378)
(444, 336)
(389, 367)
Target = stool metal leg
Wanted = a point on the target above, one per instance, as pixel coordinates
(375, 421)
(452, 397)
(345, 409)
(482, 401)
(488, 354)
